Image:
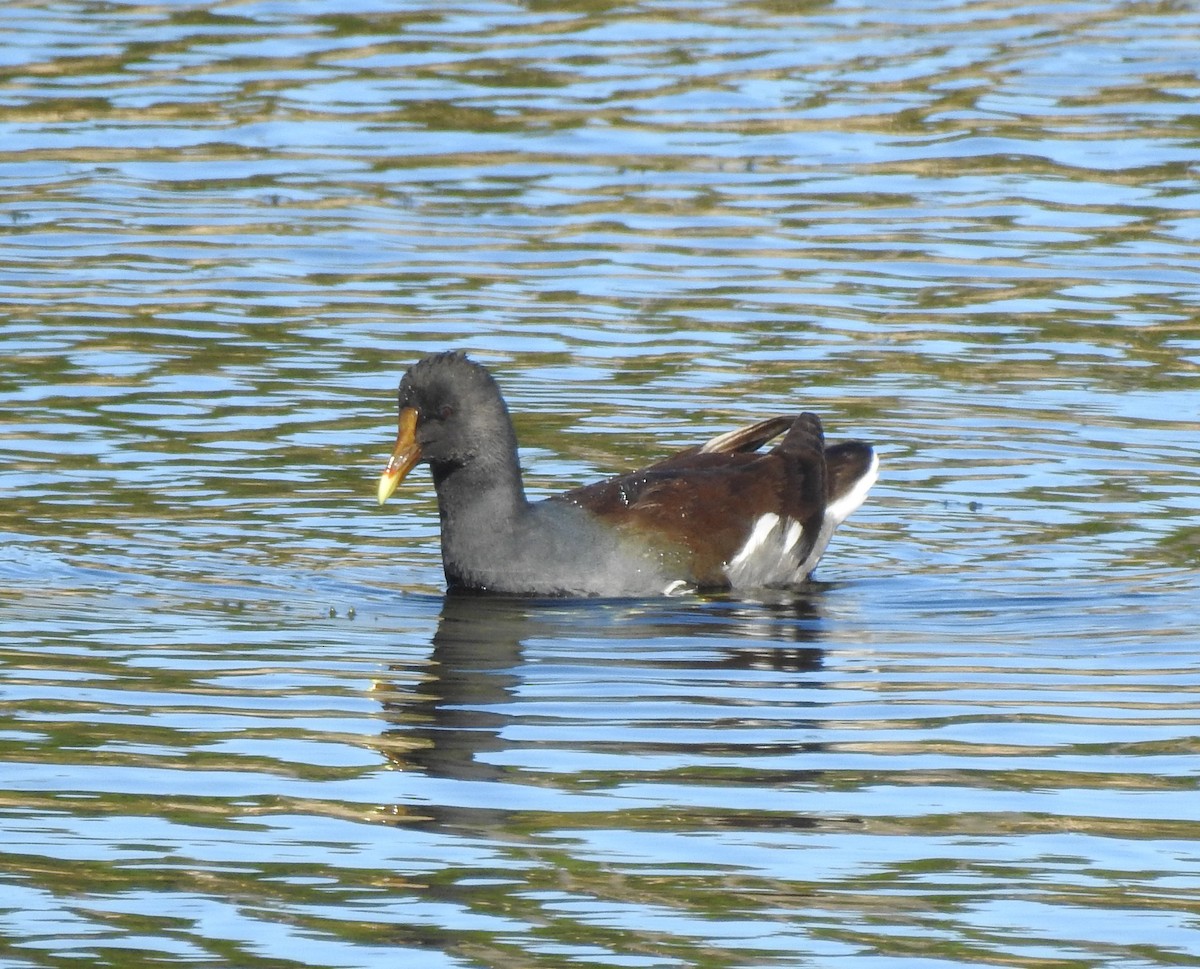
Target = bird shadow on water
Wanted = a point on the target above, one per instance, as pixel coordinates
(521, 694)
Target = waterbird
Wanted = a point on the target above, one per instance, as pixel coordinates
(719, 515)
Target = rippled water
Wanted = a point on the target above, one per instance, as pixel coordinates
(240, 723)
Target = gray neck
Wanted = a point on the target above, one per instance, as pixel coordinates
(482, 504)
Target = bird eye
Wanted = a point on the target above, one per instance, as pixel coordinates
(446, 412)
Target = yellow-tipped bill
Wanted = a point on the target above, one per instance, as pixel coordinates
(405, 455)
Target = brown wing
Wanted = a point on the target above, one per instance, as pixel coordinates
(743, 440)
(705, 501)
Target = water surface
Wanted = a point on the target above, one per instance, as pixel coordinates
(241, 724)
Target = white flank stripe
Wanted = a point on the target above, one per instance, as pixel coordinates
(758, 535)
(795, 530)
(768, 557)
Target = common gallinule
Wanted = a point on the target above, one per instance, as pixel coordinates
(717, 516)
